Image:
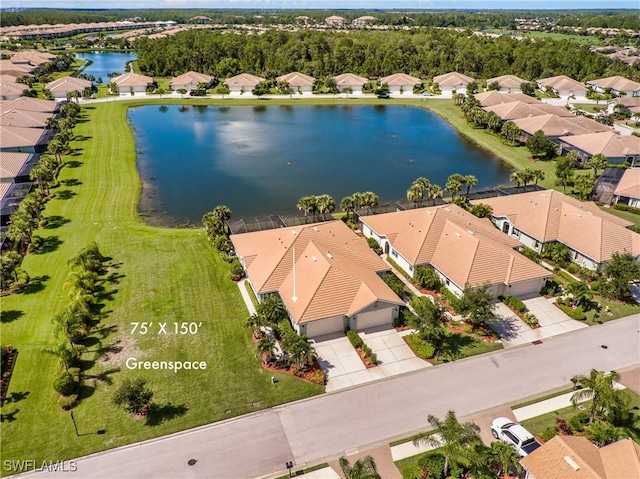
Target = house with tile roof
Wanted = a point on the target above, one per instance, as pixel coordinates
(632, 105)
(617, 148)
(10, 90)
(243, 83)
(15, 167)
(516, 109)
(131, 83)
(616, 84)
(491, 98)
(461, 248)
(448, 82)
(25, 103)
(362, 22)
(327, 276)
(60, 87)
(555, 126)
(23, 119)
(299, 82)
(563, 86)
(574, 457)
(350, 81)
(628, 190)
(548, 216)
(507, 83)
(400, 82)
(335, 21)
(189, 81)
(27, 140)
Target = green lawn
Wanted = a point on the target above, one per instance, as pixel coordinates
(625, 215)
(456, 346)
(590, 107)
(163, 275)
(616, 310)
(539, 424)
(584, 39)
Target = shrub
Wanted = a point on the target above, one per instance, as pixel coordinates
(67, 402)
(551, 287)
(354, 339)
(420, 347)
(434, 463)
(318, 376)
(395, 283)
(133, 396)
(579, 421)
(573, 268)
(577, 313)
(548, 434)
(595, 286)
(532, 254)
(412, 472)
(452, 299)
(631, 209)
(373, 357)
(373, 244)
(515, 303)
(75, 372)
(530, 320)
(427, 278)
(563, 427)
(65, 384)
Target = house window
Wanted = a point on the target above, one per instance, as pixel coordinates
(394, 253)
(515, 233)
(410, 268)
(536, 244)
(447, 282)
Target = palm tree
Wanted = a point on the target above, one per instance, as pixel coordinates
(348, 204)
(57, 148)
(83, 281)
(598, 162)
(516, 178)
(302, 353)
(71, 325)
(599, 388)
(264, 347)
(369, 199)
(564, 170)
(504, 457)
(358, 198)
(422, 182)
(67, 354)
(307, 204)
(32, 205)
(583, 184)
(580, 291)
(453, 438)
(414, 193)
(538, 175)
(454, 184)
(43, 177)
(527, 176)
(325, 204)
(435, 191)
(364, 468)
(89, 258)
(20, 229)
(470, 181)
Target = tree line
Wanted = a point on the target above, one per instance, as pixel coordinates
(422, 53)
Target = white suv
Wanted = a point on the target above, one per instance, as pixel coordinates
(514, 434)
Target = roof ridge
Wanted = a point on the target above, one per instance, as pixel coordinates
(586, 463)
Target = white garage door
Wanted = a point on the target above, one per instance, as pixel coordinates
(325, 326)
(526, 288)
(381, 317)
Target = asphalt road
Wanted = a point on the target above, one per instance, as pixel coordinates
(327, 426)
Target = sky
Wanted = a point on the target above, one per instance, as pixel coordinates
(328, 4)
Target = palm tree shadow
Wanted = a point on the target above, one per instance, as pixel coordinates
(159, 414)
(10, 315)
(36, 285)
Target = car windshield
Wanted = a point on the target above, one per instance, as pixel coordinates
(530, 446)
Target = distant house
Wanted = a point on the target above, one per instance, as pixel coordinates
(563, 86)
(507, 83)
(491, 98)
(200, 19)
(350, 81)
(23, 119)
(299, 82)
(616, 84)
(554, 126)
(362, 22)
(453, 81)
(243, 83)
(548, 216)
(460, 247)
(189, 81)
(327, 276)
(10, 90)
(131, 83)
(15, 167)
(617, 148)
(574, 457)
(31, 104)
(632, 105)
(628, 190)
(60, 87)
(24, 140)
(400, 82)
(517, 109)
(334, 21)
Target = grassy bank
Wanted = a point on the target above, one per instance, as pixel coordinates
(163, 275)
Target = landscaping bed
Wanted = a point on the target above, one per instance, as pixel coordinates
(9, 355)
(456, 346)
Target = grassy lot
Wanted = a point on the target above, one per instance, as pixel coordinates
(456, 346)
(625, 215)
(584, 39)
(616, 310)
(538, 425)
(590, 107)
(164, 275)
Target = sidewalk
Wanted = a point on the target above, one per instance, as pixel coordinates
(246, 298)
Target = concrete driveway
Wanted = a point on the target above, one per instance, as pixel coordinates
(345, 369)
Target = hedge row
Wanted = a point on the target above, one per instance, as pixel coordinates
(420, 347)
(577, 313)
(630, 209)
(357, 342)
(515, 303)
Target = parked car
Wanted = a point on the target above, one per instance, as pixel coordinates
(522, 440)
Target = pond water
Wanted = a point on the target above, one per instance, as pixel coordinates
(261, 160)
(106, 62)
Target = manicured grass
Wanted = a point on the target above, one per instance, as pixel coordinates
(252, 295)
(456, 346)
(590, 107)
(539, 424)
(625, 215)
(584, 39)
(163, 275)
(616, 310)
(542, 398)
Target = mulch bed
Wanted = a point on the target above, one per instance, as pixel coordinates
(459, 329)
(365, 359)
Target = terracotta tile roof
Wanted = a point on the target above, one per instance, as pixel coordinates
(8, 65)
(562, 82)
(66, 84)
(244, 80)
(507, 81)
(11, 88)
(461, 246)
(552, 216)
(4, 189)
(14, 137)
(8, 78)
(335, 269)
(400, 79)
(565, 457)
(616, 83)
(12, 163)
(190, 77)
(621, 459)
(349, 79)
(453, 79)
(296, 79)
(490, 98)
(609, 143)
(132, 80)
(517, 109)
(629, 185)
(588, 123)
(551, 125)
(628, 101)
(24, 119)
(30, 104)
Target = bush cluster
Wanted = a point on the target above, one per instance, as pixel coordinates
(357, 342)
(530, 320)
(395, 283)
(631, 209)
(420, 347)
(515, 303)
(453, 300)
(577, 313)
(551, 287)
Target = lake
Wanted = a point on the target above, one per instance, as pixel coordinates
(106, 62)
(261, 160)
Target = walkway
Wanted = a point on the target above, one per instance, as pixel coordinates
(246, 297)
(324, 427)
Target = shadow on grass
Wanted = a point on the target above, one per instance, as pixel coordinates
(36, 285)
(10, 315)
(453, 345)
(15, 397)
(46, 244)
(9, 417)
(55, 221)
(103, 376)
(161, 413)
(65, 194)
(74, 164)
(82, 138)
(71, 182)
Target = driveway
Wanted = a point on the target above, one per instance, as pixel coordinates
(345, 369)
(514, 331)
